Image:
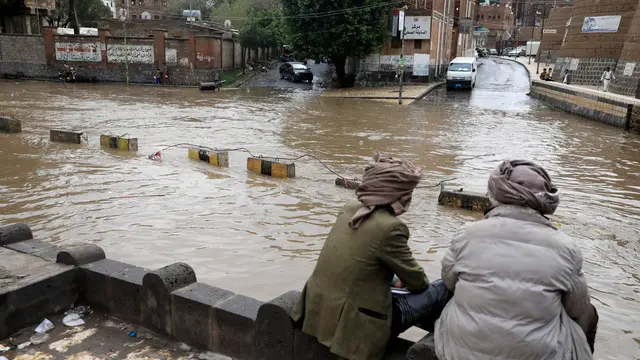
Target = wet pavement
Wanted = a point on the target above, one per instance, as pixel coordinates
(322, 73)
(260, 236)
(99, 338)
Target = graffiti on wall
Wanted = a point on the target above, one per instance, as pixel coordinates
(78, 52)
(142, 54)
(203, 57)
(171, 56)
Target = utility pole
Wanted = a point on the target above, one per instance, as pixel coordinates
(544, 13)
(402, 31)
(123, 16)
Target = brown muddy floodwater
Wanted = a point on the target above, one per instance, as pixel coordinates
(260, 236)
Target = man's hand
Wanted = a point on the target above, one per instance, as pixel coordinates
(398, 284)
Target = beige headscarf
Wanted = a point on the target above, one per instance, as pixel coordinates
(522, 182)
(386, 181)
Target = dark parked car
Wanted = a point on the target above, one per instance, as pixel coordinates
(295, 71)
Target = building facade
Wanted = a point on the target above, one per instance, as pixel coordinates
(111, 4)
(25, 16)
(141, 9)
(498, 20)
(598, 36)
(463, 42)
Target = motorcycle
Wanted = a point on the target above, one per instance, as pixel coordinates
(67, 75)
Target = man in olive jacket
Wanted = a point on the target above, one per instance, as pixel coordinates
(347, 303)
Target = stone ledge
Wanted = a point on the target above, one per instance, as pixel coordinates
(464, 200)
(168, 300)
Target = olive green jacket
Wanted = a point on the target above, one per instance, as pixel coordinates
(346, 303)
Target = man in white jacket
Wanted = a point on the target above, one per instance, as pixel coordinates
(519, 290)
(606, 78)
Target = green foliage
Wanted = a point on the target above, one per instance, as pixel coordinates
(239, 10)
(336, 29)
(87, 11)
(263, 28)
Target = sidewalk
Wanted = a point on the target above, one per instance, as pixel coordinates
(593, 90)
(410, 93)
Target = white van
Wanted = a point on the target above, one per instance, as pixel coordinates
(461, 73)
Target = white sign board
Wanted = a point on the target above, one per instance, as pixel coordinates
(601, 24)
(141, 54)
(78, 52)
(549, 31)
(392, 62)
(628, 68)
(574, 64)
(171, 56)
(421, 64)
(417, 28)
(400, 22)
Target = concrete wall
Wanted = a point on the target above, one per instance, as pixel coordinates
(611, 109)
(22, 48)
(168, 300)
(103, 57)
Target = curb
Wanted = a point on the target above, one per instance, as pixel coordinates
(427, 92)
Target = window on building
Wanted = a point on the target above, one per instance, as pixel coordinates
(141, 2)
(133, 16)
(417, 44)
(133, 2)
(157, 17)
(396, 43)
(123, 2)
(498, 17)
(482, 16)
(156, 2)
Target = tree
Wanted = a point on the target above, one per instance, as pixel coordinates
(336, 29)
(263, 29)
(86, 12)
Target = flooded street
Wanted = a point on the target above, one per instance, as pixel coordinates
(260, 236)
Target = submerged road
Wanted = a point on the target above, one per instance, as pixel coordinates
(260, 236)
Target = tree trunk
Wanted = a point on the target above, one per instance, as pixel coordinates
(73, 17)
(339, 64)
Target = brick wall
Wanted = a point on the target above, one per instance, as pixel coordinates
(104, 58)
(557, 21)
(22, 48)
(629, 58)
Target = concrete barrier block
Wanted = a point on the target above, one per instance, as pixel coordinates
(464, 200)
(307, 347)
(33, 288)
(274, 328)
(216, 158)
(424, 349)
(234, 326)
(119, 142)
(271, 167)
(347, 184)
(36, 248)
(113, 287)
(71, 137)
(192, 314)
(126, 293)
(13, 233)
(80, 255)
(157, 287)
(10, 125)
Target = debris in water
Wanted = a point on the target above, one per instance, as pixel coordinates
(44, 326)
(24, 345)
(4, 348)
(39, 338)
(80, 310)
(2, 357)
(72, 319)
(184, 347)
(156, 156)
(133, 334)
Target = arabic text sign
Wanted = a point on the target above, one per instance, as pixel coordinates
(421, 64)
(78, 52)
(549, 31)
(628, 68)
(142, 54)
(601, 24)
(417, 27)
